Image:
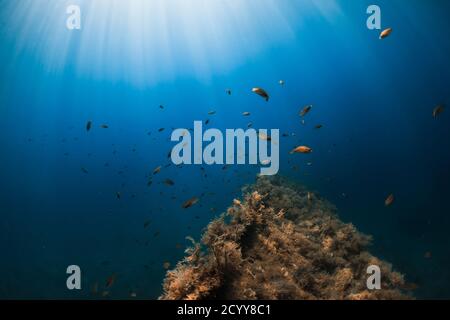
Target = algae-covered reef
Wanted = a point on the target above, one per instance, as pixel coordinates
(280, 242)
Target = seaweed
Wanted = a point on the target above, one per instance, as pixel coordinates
(280, 242)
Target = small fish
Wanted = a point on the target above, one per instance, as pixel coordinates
(169, 182)
(161, 129)
(281, 82)
(228, 91)
(104, 126)
(427, 255)
(265, 162)
(161, 107)
(110, 281)
(157, 170)
(309, 196)
(88, 125)
(84, 170)
(301, 149)
(305, 110)
(261, 92)
(149, 182)
(189, 203)
(246, 113)
(146, 224)
(94, 289)
(438, 110)
(264, 136)
(318, 126)
(133, 294)
(250, 124)
(385, 33)
(166, 265)
(206, 122)
(118, 195)
(389, 200)
(212, 112)
(410, 286)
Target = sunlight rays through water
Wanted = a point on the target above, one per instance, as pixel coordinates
(145, 42)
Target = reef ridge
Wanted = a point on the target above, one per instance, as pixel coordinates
(280, 242)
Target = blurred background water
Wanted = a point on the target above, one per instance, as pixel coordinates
(373, 97)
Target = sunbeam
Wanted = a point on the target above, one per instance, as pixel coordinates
(144, 42)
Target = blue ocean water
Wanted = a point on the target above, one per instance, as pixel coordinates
(59, 182)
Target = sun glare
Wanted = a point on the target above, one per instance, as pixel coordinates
(147, 41)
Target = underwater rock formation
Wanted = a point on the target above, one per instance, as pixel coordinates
(281, 242)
